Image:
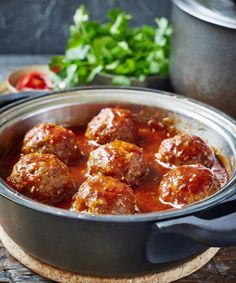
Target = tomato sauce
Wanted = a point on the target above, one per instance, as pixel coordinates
(146, 192)
(150, 134)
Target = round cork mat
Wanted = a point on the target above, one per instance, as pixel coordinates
(59, 275)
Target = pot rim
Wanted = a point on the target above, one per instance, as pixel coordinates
(196, 10)
(227, 191)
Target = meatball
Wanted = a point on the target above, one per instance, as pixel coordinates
(121, 160)
(187, 184)
(111, 124)
(54, 139)
(185, 149)
(42, 177)
(104, 195)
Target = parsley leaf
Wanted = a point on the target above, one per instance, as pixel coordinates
(113, 48)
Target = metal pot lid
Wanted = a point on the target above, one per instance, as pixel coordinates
(219, 12)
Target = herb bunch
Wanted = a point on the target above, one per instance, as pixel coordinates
(112, 48)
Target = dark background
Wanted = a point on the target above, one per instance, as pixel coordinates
(41, 26)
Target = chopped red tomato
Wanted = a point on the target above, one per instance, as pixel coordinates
(56, 69)
(33, 81)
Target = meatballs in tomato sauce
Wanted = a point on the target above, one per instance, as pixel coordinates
(185, 149)
(54, 139)
(42, 177)
(111, 124)
(104, 195)
(187, 184)
(121, 160)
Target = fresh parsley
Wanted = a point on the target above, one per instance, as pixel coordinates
(112, 48)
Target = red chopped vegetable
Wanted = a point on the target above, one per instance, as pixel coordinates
(35, 81)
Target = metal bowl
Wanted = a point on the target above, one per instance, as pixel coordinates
(154, 81)
(109, 245)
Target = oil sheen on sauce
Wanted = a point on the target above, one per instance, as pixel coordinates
(149, 137)
(146, 192)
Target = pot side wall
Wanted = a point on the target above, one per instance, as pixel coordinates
(93, 248)
(203, 61)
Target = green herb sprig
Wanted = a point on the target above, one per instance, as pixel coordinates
(112, 48)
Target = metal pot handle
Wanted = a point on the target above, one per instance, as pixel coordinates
(214, 228)
(8, 99)
(219, 232)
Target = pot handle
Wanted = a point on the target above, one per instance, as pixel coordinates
(219, 232)
(215, 227)
(15, 97)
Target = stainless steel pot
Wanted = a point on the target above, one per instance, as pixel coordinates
(109, 245)
(203, 51)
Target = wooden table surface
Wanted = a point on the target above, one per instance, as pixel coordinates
(222, 268)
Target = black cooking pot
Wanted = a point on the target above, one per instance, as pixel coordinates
(203, 51)
(111, 245)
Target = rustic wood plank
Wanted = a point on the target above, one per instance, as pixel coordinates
(225, 263)
(11, 271)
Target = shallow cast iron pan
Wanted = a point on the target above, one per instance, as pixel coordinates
(108, 245)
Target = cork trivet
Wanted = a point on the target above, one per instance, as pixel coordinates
(59, 275)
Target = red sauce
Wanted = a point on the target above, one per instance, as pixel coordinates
(146, 192)
(149, 137)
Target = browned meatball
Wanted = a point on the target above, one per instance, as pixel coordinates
(187, 184)
(54, 139)
(118, 159)
(104, 195)
(111, 124)
(185, 149)
(42, 177)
